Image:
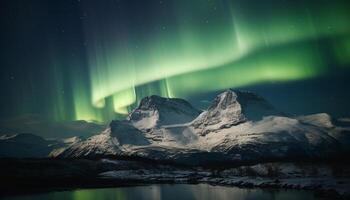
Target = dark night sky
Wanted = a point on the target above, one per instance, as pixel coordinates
(94, 60)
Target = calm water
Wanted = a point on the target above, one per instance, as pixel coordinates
(171, 192)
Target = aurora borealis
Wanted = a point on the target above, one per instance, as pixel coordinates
(95, 60)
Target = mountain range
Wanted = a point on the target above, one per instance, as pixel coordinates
(46, 128)
(237, 127)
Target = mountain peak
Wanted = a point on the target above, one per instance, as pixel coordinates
(225, 111)
(224, 100)
(157, 111)
(157, 102)
(233, 107)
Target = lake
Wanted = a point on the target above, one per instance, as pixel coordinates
(170, 192)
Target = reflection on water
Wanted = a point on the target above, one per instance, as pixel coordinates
(171, 192)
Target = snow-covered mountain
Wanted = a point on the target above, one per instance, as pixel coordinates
(237, 127)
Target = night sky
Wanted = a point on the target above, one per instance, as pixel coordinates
(95, 59)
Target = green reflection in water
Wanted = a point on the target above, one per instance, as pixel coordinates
(172, 192)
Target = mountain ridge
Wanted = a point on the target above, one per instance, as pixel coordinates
(222, 132)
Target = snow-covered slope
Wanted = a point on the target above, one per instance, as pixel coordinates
(102, 144)
(320, 119)
(276, 137)
(60, 145)
(109, 142)
(230, 130)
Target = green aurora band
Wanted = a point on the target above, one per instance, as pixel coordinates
(183, 48)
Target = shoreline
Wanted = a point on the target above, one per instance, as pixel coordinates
(40, 176)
